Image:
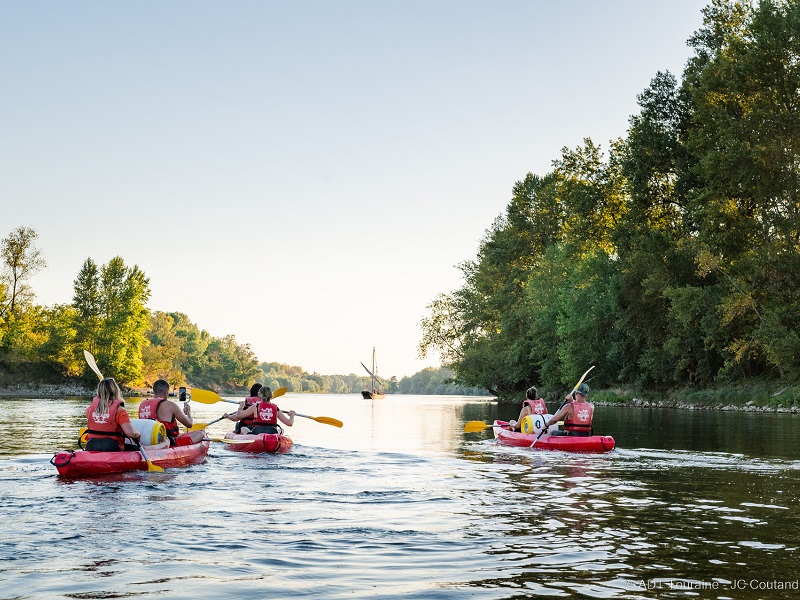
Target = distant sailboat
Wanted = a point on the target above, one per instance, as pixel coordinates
(373, 393)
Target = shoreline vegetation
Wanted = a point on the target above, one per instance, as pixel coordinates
(785, 401)
(670, 256)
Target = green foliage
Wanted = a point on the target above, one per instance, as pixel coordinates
(112, 317)
(673, 262)
(20, 260)
(436, 381)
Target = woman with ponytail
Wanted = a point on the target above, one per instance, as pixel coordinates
(108, 421)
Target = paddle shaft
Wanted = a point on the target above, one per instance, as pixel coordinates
(150, 465)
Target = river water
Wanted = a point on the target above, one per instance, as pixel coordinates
(400, 503)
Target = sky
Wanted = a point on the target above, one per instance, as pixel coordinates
(304, 175)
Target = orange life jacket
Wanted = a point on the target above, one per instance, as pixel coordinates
(148, 409)
(104, 425)
(266, 414)
(538, 407)
(582, 413)
(248, 402)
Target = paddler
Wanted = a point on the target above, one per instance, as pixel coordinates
(265, 415)
(576, 413)
(532, 405)
(252, 399)
(167, 412)
(108, 423)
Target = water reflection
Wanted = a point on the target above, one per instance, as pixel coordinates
(401, 502)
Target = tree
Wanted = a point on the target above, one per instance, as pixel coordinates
(21, 260)
(113, 318)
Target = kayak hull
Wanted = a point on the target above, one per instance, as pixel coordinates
(272, 443)
(566, 443)
(87, 463)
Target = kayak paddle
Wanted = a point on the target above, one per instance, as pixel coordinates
(324, 420)
(471, 426)
(92, 364)
(150, 465)
(201, 426)
(207, 397)
(225, 441)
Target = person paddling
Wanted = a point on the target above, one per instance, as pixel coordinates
(108, 421)
(265, 415)
(576, 412)
(532, 405)
(167, 412)
(252, 399)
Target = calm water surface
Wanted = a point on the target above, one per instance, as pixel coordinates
(401, 503)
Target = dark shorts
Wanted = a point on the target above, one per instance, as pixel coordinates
(259, 429)
(103, 445)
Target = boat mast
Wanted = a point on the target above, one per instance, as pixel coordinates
(374, 389)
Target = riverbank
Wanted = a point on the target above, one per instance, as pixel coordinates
(58, 390)
(728, 399)
(785, 400)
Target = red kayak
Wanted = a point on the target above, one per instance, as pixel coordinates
(263, 442)
(567, 443)
(86, 463)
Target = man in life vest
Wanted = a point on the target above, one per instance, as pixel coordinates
(265, 415)
(576, 412)
(530, 406)
(108, 423)
(252, 399)
(167, 412)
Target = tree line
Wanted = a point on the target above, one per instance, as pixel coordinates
(670, 258)
(109, 317)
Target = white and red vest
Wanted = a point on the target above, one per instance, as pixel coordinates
(104, 425)
(581, 420)
(266, 414)
(248, 402)
(538, 407)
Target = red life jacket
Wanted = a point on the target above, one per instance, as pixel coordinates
(149, 410)
(248, 402)
(581, 420)
(538, 407)
(104, 425)
(266, 414)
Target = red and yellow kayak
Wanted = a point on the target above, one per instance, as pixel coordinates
(275, 443)
(86, 463)
(568, 443)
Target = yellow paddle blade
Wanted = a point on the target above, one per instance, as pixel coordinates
(154, 468)
(208, 397)
(92, 364)
(150, 466)
(471, 426)
(205, 397)
(328, 421)
(324, 420)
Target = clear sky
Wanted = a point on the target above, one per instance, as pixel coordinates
(304, 174)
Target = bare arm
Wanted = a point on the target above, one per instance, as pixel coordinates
(128, 430)
(565, 411)
(284, 419)
(183, 417)
(243, 412)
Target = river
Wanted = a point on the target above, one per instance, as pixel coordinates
(401, 503)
